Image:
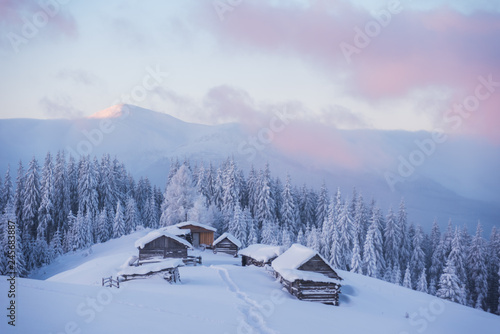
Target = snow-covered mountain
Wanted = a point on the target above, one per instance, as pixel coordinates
(459, 180)
(219, 296)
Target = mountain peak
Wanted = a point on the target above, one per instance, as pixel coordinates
(112, 112)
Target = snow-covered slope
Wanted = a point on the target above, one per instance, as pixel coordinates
(219, 296)
(459, 181)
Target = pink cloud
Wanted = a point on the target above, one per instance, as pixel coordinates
(418, 49)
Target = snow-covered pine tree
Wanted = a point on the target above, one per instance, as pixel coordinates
(179, 198)
(360, 220)
(103, 227)
(18, 197)
(131, 216)
(356, 263)
(266, 210)
(238, 224)
(8, 191)
(407, 282)
(19, 268)
(405, 242)
(392, 240)
(457, 257)
(396, 274)
(327, 230)
(72, 172)
(118, 223)
(346, 237)
(286, 240)
(46, 209)
(313, 239)
(422, 282)
(477, 271)
(322, 206)
(449, 285)
(230, 191)
(417, 261)
(493, 264)
(61, 193)
(374, 263)
(289, 212)
(301, 238)
(56, 247)
(31, 198)
(87, 187)
(253, 236)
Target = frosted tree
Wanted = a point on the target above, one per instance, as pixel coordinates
(72, 180)
(80, 238)
(356, 263)
(396, 274)
(270, 232)
(301, 238)
(322, 205)
(373, 257)
(266, 209)
(231, 188)
(457, 257)
(313, 239)
(8, 191)
(327, 231)
(131, 216)
(476, 266)
(286, 238)
(359, 219)
(46, 209)
(407, 282)
(422, 282)
(104, 226)
(106, 187)
(118, 223)
(493, 264)
(179, 198)
(449, 285)
(239, 224)
(31, 198)
(392, 240)
(253, 236)
(61, 193)
(56, 247)
(87, 188)
(417, 261)
(19, 197)
(405, 242)
(289, 213)
(345, 233)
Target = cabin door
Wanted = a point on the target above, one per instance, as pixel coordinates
(196, 240)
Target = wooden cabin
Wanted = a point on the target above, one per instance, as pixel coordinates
(307, 275)
(259, 255)
(201, 234)
(161, 244)
(227, 243)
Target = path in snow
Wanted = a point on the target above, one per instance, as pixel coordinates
(253, 319)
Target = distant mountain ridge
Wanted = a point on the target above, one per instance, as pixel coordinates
(146, 141)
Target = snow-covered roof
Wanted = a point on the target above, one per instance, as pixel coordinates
(193, 223)
(230, 237)
(294, 257)
(157, 234)
(261, 252)
(151, 267)
(175, 230)
(287, 265)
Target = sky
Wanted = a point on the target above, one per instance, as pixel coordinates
(397, 65)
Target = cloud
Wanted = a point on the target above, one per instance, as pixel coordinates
(81, 77)
(61, 106)
(342, 117)
(416, 50)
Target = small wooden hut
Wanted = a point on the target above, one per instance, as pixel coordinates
(259, 255)
(307, 275)
(201, 234)
(227, 243)
(161, 244)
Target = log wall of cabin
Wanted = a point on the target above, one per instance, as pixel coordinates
(163, 247)
(226, 246)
